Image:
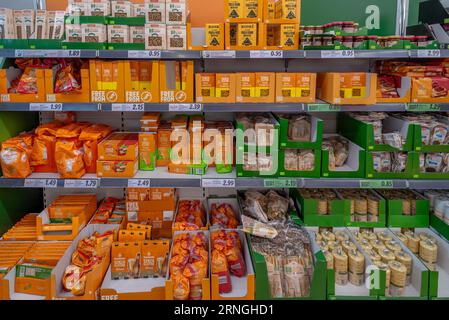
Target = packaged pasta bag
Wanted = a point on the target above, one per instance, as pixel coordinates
(48, 129)
(219, 267)
(65, 117)
(15, 158)
(90, 136)
(69, 158)
(181, 287)
(41, 153)
(177, 264)
(235, 259)
(196, 272)
(72, 130)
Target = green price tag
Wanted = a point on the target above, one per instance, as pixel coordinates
(280, 183)
(423, 107)
(376, 184)
(321, 107)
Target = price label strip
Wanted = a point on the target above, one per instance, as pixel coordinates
(46, 106)
(429, 53)
(423, 107)
(139, 183)
(218, 183)
(337, 54)
(144, 54)
(185, 107)
(322, 107)
(219, 54)
(41, 183)
(82, 183)
(128, 107)
(376, 184)
(280, 183)
(266, 54)
(47, 53)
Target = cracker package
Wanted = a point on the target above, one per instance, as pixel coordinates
(118, 34)
(7, 30)
(176, 38)
(93, 33)
(137, 34)
(155, 37)
(78, 8)
(139, 10)
(40, 31)
(73, 33)
(55, 25)
(175, 12)
(24, 23)
(121, 9)
(155, 11)
(100, 8)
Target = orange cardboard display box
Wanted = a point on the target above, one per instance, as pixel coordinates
(282, 11)
(82, 95)
(430, 90)
(295, 87)
(215, 87)
(209, 37)
(119, 169)
(119, 146)
(176, 81)
(8, 75)
(351, 88)
(107, 81)
(189, 281)
(256, 87)
(280, 36)
(243, 10)
(244, 36)
(93, 278)
(141, 81)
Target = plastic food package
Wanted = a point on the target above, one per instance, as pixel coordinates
(434, 162)
(338, 148)
(69, 158)
(15, 156)
(289, 260)
(387, 86)
(68, 79)
(265, 207)
(188, 265)
(299, 128)
(191, 215)
(223, 215)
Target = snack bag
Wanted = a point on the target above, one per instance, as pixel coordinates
(41, 150)
(69, 159)
(235, 260)
(66, 80)
(72, 130)
(181, 287)
(223, 215)
(28, 82)
(220, 268)
(14, 157)
(74, 280)
(177, 264)
(196, 272)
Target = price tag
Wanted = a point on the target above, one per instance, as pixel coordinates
(219, 54)
(81, 183)
(322, 107)
(128, 107)
(139, 183)
(423, 107)
(338, 54)
(46, 106)
(218, 183)
(185, 107)
(266, 54)
(376, 184)
(41, 183)
(280, 183)
(429, 53)
(144, 54)
(47, 53)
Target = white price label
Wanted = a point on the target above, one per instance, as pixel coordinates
(41, 183)
(128, 107)
(139, 183)
(185, 107)
(81, 183)
(168, 215)
(45, 106)
(219, 54)
(144, 54)
(266, 54)
(337, 54)
(429, 53)
(218, 183)
(47, 53)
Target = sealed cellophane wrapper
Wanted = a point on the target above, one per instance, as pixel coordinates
(289, 260)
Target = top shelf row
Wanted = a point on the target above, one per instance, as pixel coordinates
(226, 54)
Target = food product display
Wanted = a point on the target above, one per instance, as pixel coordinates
(338, 148)
(189, 265)
(110, 211)
(265, 207)
(365, 205)
(190, 215)
(67, 207)
(224, 216)
(23, 230)
(407, 197)
(423, 245)
(438, 200)
(10, 254)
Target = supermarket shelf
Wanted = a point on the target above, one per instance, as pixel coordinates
(429, 184)
(360, 54)
(350, 183)
(225, 54)
(50, 106)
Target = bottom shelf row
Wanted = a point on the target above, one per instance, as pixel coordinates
(163, 244)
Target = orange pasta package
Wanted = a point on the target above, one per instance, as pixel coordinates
(43, 155)
(91, 137)
(69, 158)
(72, 130)
(15, 157)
